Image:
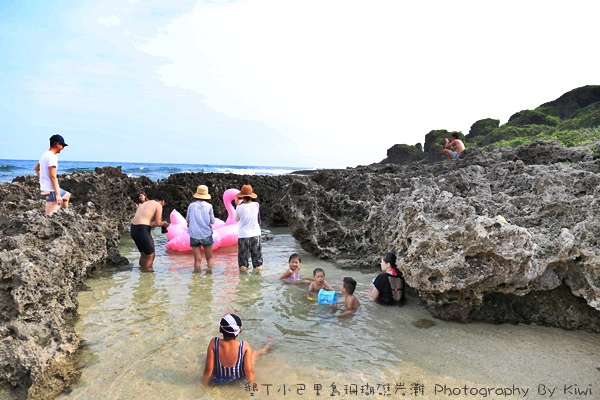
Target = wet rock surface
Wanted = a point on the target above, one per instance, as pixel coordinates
(506, 236)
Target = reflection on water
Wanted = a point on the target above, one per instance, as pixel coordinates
(146, 335)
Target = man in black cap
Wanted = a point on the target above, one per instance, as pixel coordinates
(46, 169)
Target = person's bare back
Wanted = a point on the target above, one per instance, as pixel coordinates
(148, 213)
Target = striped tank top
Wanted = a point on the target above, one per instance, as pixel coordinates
(223, 374)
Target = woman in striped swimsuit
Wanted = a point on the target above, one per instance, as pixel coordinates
(228, 360)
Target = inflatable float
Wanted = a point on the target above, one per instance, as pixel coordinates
(224, 233)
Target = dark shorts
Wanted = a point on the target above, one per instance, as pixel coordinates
(250, 247)
(206, 242)
(51, 197)
(143, 238)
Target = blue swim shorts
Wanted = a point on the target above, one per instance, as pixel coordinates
(454, 155)
(51, 197)
(206, 242)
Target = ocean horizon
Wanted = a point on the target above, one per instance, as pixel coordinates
(10, 169)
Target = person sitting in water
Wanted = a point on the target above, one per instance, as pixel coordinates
(388, 287)
(317, 284)
(292, 275)
(228, 360)
(454, 148)
(351, 303)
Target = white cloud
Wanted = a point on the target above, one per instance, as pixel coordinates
(360, 76)
(113, 20)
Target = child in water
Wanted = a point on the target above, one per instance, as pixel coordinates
(292, 275)
(228, 360)
(351, 303)
(317, 284)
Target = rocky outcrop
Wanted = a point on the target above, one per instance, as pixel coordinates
(43, 262)
(471, 233)
(404, 154)
(482, 127)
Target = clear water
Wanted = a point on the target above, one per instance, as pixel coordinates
(146, 335)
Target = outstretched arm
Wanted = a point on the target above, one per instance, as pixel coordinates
(264, 350)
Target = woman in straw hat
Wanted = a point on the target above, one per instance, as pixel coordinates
(199, 217)
(249, 244)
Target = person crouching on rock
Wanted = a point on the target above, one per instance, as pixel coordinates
(147, 215)
(453, 148)
(389, 287)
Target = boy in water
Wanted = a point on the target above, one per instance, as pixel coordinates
(317, 284)
(351, 303)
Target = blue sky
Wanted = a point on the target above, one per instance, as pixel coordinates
(310, 83)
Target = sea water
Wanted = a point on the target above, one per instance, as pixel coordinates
(9, 169)
(146, 335)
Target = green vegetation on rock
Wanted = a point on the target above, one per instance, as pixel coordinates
(573, 120)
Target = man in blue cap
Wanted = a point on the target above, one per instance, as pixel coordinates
(46, 169)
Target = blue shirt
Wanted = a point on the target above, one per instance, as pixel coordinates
(199, 217)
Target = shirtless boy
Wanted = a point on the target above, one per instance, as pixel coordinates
(147, 215)
(453, 148)
(317, 284)
(351, 303)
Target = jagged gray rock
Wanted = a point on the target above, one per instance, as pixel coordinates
(491, 225)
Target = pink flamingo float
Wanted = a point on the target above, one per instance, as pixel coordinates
(224, 233)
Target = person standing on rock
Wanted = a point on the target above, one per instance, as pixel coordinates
(147, 216)
(47, 169)
(249, 237)
(454, 148)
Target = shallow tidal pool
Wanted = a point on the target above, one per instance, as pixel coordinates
(146, 335)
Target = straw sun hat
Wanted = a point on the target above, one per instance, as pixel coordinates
(202, 193)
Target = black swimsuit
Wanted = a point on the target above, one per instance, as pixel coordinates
(143, 238)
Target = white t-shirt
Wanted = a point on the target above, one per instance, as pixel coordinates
(48, 159)
(247, 215)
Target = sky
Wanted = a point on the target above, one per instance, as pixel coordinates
(299, 83)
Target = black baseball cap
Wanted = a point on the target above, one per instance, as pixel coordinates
(57, 139)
